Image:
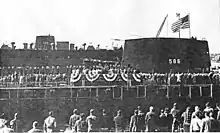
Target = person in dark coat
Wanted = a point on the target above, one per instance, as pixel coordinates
(215, 126)
(105, 121)
(141, 121)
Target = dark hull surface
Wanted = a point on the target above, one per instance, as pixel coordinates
(163, 54)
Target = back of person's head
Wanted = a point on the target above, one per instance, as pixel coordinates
(151, 108)
(16, 115)
(35, 124)
(51, 113)
(82, 115)
(207, 113)
(136, 112)
(175, 105)
(166, 110)
(119, 112)
(188, 108)
(208, 104)
(75, 111)
(197, 108)
(197, 114)
(92, 111)
(211, 114)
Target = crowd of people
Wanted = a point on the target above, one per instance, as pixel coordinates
(40, 77)
(167, 120)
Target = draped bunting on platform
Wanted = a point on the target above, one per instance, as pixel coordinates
(92, 75)
(75, 76)
(110, 76)
(137, 77)
(124, 76)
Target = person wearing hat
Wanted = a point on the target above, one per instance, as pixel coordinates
(50, 123)
(34, 128)
(119, 122)
(81, 124)
(73, 119)
(92, 121)
(150, 120)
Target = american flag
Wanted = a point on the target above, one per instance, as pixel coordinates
(181, 23)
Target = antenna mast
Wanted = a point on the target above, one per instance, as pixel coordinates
(161, 27)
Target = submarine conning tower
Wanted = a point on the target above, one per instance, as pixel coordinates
(163, 54)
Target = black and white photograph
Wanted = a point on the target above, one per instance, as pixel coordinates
(73, 66)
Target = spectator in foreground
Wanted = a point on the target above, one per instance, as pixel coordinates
(197, 109)
(34, 128)
(119, 122)
(187, 115)
(50, 123)
(81, 124)
(196, 122)
(175, 114)
(134, 122)
(205, 126)
(73, 119)
(150, 120)
(92, 122)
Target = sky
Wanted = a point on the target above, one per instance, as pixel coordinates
(100, 21)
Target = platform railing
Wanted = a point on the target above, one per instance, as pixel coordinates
(94, 92)
(67, 83)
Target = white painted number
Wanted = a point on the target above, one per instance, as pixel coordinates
(174, 61)
(178, 61)
(170, 61)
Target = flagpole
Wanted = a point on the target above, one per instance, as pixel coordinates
(167, 26)
(189, 27)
